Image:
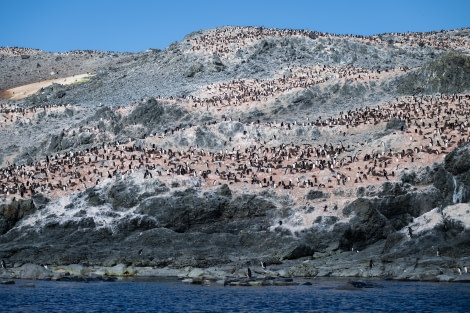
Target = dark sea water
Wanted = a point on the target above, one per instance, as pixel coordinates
(174, 296)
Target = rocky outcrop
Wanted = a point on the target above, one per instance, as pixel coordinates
(11, 213)
(190, 210)
(54, 91)
(123, 195)
(366, 226)
(316, 194)
(456, 162)
(194, 69)
(299, 252)
(217, 65)
(448, 74)
(438, 233)
(453, 177)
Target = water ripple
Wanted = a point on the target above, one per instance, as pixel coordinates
(174, 296)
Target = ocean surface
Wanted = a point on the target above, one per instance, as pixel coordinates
(174, 296)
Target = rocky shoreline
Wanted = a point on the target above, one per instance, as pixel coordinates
(349, 265)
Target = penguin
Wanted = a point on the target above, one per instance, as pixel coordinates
(248, 273)
(3, 264)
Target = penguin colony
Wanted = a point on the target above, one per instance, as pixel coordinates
(429, 128)
(432, 127)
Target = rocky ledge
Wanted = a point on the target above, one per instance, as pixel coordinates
(348, 265)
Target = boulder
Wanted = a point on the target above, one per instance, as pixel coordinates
(55, 142)
(94, 197)
(120, 270)
(34, 271)
(325, 234)
(231, 128)
(364, 284)
(299, 252)
(196, 272)
(205, 138)
(304, 269)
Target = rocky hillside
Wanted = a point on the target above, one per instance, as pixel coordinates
(312, 152)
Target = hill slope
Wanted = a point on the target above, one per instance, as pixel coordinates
(239, 145)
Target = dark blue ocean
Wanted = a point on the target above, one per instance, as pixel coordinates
(174, 296)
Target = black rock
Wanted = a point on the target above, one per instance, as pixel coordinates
(363, 284)
(457, 161)
(316, 194)
(124, 194)
(60, 94)
(299, 252)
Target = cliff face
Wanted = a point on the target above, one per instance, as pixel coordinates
(187, 226)
(243, 144)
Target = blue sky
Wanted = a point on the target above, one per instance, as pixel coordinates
(119, 25)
